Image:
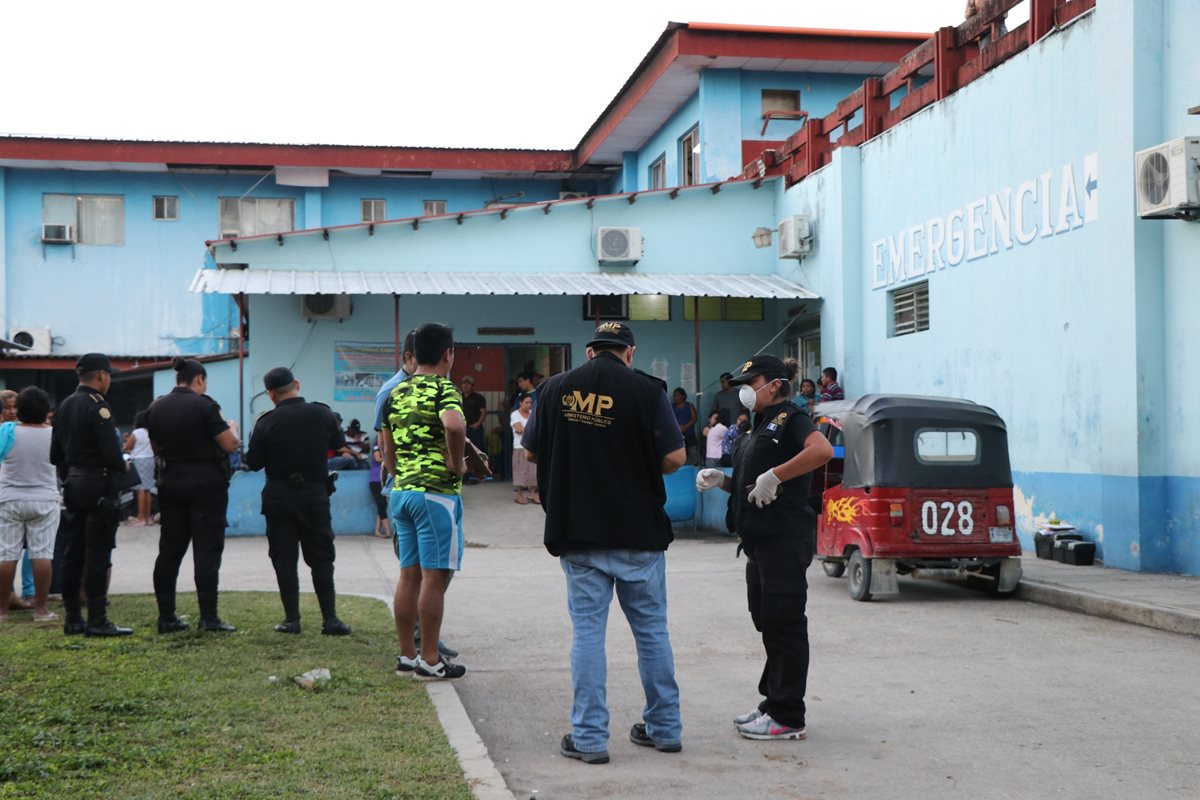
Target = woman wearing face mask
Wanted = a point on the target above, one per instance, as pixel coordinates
(769, 511)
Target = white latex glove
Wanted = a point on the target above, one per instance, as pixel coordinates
(709, 479)
(765, 490)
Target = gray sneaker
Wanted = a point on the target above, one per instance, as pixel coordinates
(764, 728)
(748, 717)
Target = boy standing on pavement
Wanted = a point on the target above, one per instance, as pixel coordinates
(424, 435)
(602, 438)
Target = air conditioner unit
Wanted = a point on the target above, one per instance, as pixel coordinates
(325, 306)
(36, 339)
(795, 236)
(618, 246)
(572, 195)
(56, 233)
(1168, 179)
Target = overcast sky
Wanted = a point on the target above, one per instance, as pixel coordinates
(446, 74)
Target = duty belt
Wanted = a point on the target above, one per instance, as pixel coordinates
(90, 472)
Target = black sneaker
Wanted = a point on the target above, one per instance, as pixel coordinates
(217, 625)
(74, 627)
(567, 748)
(405, 667)
(442, 670)
(106, 628)
(288, 626)
(638, 735)
(335, 627)
(172, 625)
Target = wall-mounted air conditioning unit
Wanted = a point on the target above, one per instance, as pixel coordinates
(325, 306)
(795, 236)
(572, 195)
(618, 247)
(56, 233)
(36, 339)
(1168, 179)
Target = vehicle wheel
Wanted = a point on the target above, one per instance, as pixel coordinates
(834, 569)
(858, 576)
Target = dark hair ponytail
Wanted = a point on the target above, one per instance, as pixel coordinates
(187, 370)
(792, 367)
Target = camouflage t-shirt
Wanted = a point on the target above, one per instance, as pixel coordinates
(413, 418)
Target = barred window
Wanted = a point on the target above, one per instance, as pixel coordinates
(908, 309)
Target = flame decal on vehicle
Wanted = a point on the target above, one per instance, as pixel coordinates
(843, 509)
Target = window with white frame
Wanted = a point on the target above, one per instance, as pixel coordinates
(95, 218)
(433, 207)
(689, 157)
(658, 173)
(908, 309)
(166, 208)
(374, 210)
(251, 216)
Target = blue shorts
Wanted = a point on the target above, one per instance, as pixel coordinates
(428, 529)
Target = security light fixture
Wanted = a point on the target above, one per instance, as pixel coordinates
(762, 237)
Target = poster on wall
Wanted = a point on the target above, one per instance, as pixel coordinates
(360, 369)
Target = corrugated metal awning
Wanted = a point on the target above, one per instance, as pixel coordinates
(287, 281)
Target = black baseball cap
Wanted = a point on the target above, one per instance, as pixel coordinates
(612, 333)
(92, 362)
(277, 378)
(770, 367)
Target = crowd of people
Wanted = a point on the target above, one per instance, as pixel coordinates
(609, 425)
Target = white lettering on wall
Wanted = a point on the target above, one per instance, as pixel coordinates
(990, 225)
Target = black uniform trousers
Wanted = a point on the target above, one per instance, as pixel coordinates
(777, 590)
(90, 495)
(192, 501)
(298, 520)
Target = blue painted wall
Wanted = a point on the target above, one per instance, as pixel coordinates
(1061, 309)
(143, 284)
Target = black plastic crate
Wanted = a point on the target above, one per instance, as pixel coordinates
(1080, 554)
(1043, 541)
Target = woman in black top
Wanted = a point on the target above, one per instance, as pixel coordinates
(193, 441)
(769, 511)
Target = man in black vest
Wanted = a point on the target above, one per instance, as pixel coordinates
(603, 436)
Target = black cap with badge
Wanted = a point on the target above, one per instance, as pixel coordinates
(770, 367)
(277, 378)
(94, 362)
(617, 333)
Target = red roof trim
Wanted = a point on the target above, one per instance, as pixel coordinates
(285, 155)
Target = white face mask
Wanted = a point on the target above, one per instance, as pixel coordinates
(749, 396)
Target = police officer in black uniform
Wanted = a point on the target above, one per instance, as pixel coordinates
(292, 442)
(769, 511)
(86, 449)
(194, 442)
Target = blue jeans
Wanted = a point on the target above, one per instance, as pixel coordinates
(641, 582)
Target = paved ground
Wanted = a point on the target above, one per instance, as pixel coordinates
(938, 692)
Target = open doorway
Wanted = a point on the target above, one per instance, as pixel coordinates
(494, 369)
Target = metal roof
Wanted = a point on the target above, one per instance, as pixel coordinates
(289, 281)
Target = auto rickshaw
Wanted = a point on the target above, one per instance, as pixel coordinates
(918, 486)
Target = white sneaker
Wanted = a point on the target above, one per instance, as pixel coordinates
(748, 717)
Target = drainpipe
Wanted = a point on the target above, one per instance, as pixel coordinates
(241, 304)
(396, 319)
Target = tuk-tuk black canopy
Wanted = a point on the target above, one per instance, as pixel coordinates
(880, 438)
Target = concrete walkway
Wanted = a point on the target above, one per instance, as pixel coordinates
(506, 611)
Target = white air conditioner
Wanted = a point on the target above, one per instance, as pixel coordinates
(56, 233)
(572, 195)
(325, 306)
(36, 339)
(795, 237)
(1168, 179)
(618, 246)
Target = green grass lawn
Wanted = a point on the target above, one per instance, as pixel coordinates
(195, 715)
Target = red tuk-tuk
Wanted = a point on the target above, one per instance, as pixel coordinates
(918, 486)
